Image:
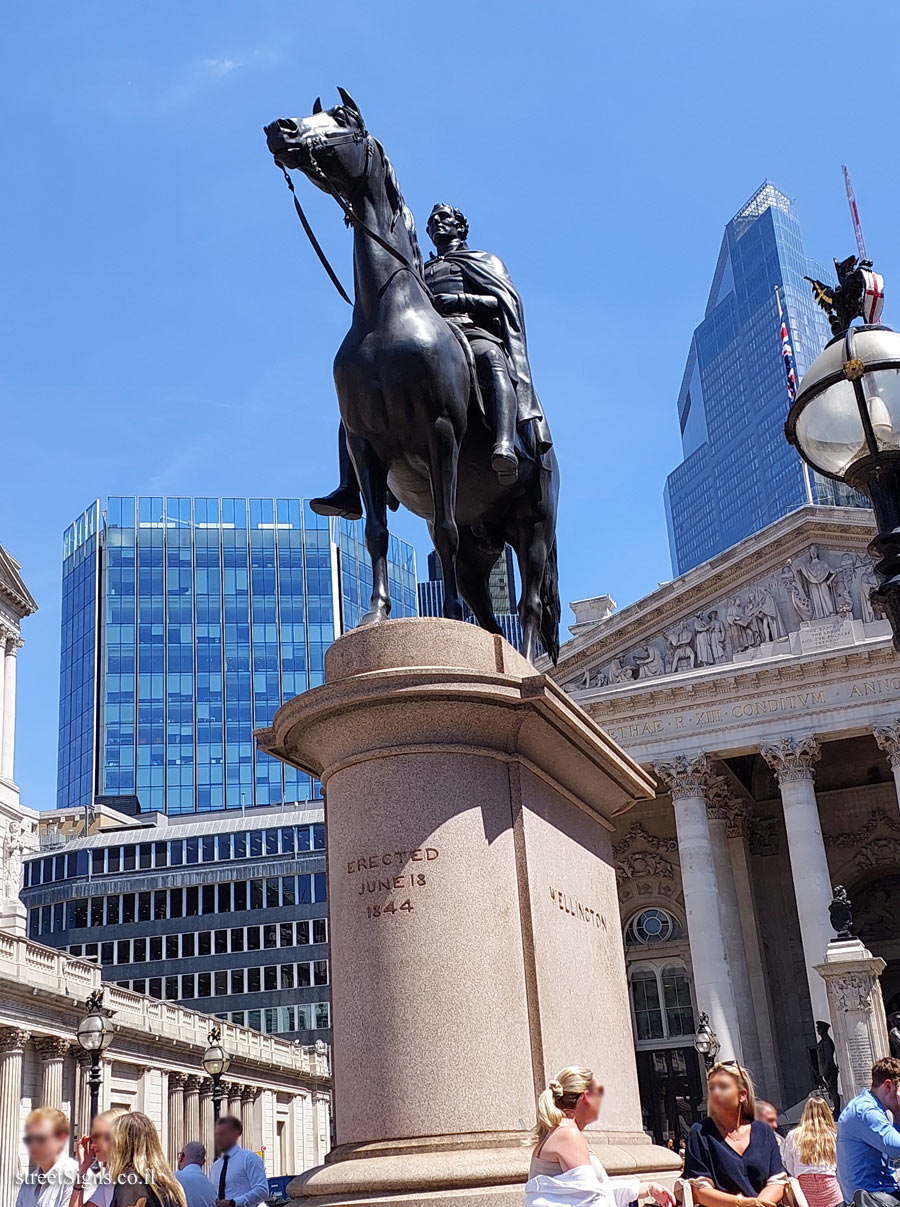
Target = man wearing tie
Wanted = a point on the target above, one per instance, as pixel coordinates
(238, 1175)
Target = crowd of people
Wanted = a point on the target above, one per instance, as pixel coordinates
(121, 1164)
(735, 1156)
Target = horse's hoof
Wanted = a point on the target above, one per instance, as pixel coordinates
(374, 616)
(506, 466)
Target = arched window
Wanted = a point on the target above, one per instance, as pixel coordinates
(652, 926)
(661, 1001)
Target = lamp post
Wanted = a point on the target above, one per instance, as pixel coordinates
(845, 423)
(706, 1041)
(94, 1035)
(216, 1061)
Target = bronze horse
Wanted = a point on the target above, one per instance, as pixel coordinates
(408, 396)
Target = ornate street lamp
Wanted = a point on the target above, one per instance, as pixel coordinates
(845, 420)
(706, 1041)
(216, 1061)
(94, 1035)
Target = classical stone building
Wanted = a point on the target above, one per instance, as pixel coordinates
(280, 1090)
(763, 690)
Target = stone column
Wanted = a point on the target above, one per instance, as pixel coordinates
(888, 738)
(234, 1099)
(192, 1108)
(687, 778)
(718, 813)
(207, 1123)
(738, 833)
(851, 973)
(248, 1097)
(52, 1050)
(12, 1045)
(176, 1115)
(9, 707)
(792, 760)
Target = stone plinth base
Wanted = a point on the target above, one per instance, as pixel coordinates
(476, 945)
(851, 973)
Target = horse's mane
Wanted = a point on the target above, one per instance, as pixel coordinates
(399, 208)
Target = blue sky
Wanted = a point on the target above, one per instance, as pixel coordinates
(166, 329)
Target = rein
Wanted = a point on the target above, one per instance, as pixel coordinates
(350, 217)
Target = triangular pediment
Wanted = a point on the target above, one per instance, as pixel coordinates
(12, 585)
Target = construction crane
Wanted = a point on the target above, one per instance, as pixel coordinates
(854, 216)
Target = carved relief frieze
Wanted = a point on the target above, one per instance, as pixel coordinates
(817, 594)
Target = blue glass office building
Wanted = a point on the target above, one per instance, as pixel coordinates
(186, 622)
(739, 473)
(502, 586)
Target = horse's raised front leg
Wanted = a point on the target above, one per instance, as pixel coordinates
(443, 449)
(372, 477)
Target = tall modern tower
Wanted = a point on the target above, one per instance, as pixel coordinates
(186, 622)
(739, 473)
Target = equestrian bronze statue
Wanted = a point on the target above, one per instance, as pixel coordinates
(438, 410)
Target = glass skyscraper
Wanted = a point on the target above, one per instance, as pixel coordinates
(739, 473)
(186, 622)
(502, 586)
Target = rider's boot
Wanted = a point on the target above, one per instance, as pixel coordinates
(504, 461)
(345, 501)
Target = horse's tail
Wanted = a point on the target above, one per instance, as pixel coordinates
(550, 606)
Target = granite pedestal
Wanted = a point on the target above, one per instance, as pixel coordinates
(476, 946)
(851, 973)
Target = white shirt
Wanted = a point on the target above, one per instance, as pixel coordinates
(98, 1190)
(245, 1178)
(198, 1190)
(56, 1188)
(794, 1166)
(581, 1186)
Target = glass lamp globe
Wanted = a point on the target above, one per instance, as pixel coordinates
(216, 1060)
(703, 1040)
(845, 419)
(95, 1032)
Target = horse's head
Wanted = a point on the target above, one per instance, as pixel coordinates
(329, 145)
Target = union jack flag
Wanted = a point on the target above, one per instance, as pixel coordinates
(787, 350)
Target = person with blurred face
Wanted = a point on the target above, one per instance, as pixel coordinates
(53, 1174)
(95, 1189)
(868, 1140)
(198, 1189)
(768, 1114)
(238, 1174)
(732, 1158)
(564, 1172)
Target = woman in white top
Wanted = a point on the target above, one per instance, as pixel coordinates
(95, 1189)
(564, 1172)
(810, 1155)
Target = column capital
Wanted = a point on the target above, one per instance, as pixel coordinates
(12, 644)
(206, 1087)
(177, 1080)
(791, 758)
(718, 799)
(685, 775)
(888, 739)
(739, 819)
(52, 1047)
(12, 1040)
(249, 1093)
(192, 1083)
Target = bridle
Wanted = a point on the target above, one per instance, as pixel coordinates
(315, 143)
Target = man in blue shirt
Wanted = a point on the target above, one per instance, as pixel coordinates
(868, 1141)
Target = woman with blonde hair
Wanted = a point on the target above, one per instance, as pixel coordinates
(139, 1172)
(810, 1154)
(564, 1172)
(732, 1158)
